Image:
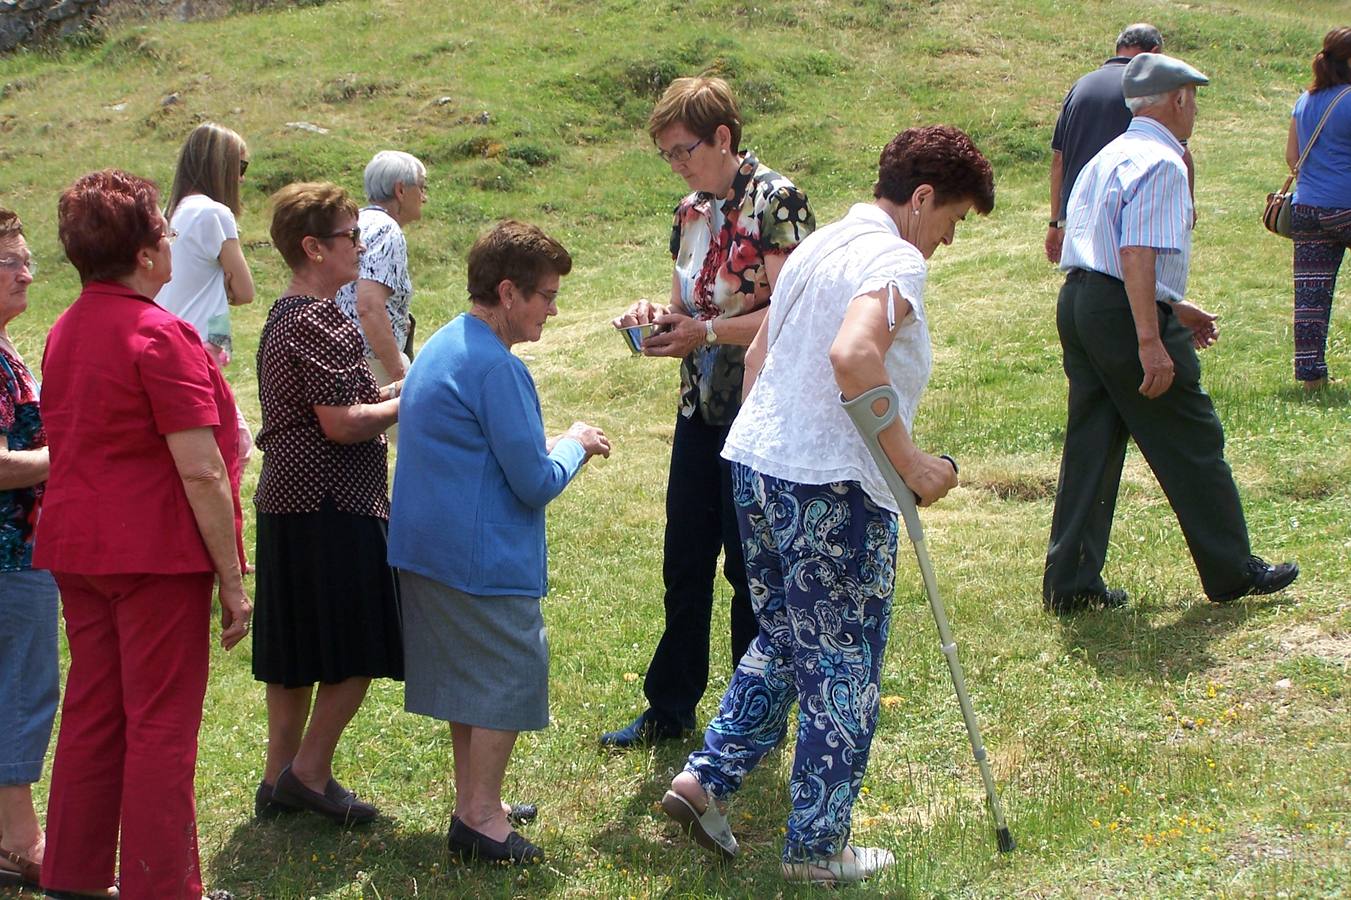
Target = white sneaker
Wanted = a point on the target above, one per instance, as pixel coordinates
(854, 864)
(709, 828)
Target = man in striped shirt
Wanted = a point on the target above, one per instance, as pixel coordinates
(1129, 339)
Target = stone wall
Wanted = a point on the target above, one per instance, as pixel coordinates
(35, 21)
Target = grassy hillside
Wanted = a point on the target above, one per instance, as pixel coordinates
(1171, 749)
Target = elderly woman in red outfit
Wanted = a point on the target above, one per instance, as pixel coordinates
(139, 522)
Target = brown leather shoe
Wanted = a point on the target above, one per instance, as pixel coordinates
(18, 870)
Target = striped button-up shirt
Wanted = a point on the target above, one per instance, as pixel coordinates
(1133, 194)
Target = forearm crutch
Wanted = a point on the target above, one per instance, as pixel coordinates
(871, 425)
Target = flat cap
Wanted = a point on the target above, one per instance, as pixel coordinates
(1156, 73)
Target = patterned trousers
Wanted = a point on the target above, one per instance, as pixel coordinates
(1321, 237)
(821, 562)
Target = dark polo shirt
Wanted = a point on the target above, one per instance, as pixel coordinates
(1094, 114)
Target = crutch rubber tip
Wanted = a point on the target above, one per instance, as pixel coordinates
(1005, 840)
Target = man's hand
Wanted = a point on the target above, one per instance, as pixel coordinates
(1055, 240)
(1203, 325)
(1158, 366)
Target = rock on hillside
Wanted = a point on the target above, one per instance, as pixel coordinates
(32, 22)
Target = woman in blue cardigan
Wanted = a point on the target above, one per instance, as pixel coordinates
(472, 452)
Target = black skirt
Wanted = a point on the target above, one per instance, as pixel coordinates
(326, 602)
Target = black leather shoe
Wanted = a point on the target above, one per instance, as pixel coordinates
(1264, 578)
(1110, 598)
(646, 729)
(522, 813)
(336, 802)
(266, 805)
(473, 845)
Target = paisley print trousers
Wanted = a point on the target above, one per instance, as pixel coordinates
(1321, 236)
(821, 562)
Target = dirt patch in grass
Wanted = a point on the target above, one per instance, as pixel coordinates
(1021, 486)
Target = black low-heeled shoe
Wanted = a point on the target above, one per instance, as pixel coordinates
(336, 802)
(476, 846)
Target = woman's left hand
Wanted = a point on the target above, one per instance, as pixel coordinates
(236, 615)
(678, 337)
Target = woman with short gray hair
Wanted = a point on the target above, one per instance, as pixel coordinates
(379, 300)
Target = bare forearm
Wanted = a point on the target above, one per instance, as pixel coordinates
(379, 333)
(213, 508)
(1137, 268)
(740, 330)
(23, 468)
(755, 358)
(357, 423)
(1057, 185)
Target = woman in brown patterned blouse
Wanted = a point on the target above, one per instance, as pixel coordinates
(327, 601)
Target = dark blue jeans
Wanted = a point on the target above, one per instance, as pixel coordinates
(700, 524)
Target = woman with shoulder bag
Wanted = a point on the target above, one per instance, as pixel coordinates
(1321, 213)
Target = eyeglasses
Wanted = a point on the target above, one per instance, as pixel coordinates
(243, 167)
(678, 154)
(353, 234)
(15, 263)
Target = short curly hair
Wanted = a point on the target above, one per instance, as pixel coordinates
(104, 219)
(517, 252)
(940, 156)
(306, 209)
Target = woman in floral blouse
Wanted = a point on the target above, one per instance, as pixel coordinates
(729, 240)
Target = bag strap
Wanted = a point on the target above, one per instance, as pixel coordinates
(1321, 122)
(787, 303)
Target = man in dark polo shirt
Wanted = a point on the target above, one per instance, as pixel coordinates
(1093, 114)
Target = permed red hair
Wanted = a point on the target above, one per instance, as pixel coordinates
(104, 219)
(940, 156)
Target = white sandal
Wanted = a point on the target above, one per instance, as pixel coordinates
(709, 829)
(867, 861)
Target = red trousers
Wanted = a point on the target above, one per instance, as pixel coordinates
(127, 749)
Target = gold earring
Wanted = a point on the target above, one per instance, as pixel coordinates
(318, 259)
(149, 264)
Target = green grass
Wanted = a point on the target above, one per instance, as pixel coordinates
(1171, 749)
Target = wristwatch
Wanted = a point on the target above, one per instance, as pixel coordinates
(1057, 223)
(710, 336)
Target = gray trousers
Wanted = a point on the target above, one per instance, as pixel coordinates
(1179, 435)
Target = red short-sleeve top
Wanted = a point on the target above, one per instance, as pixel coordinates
(119, 374)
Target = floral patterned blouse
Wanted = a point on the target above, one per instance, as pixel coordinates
(719, 250)
(22, 426)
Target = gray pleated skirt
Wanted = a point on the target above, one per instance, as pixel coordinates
(481, 661)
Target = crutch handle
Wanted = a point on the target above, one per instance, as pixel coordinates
(871, 425)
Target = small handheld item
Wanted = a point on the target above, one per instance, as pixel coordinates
(634, 335)
(871, 425)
